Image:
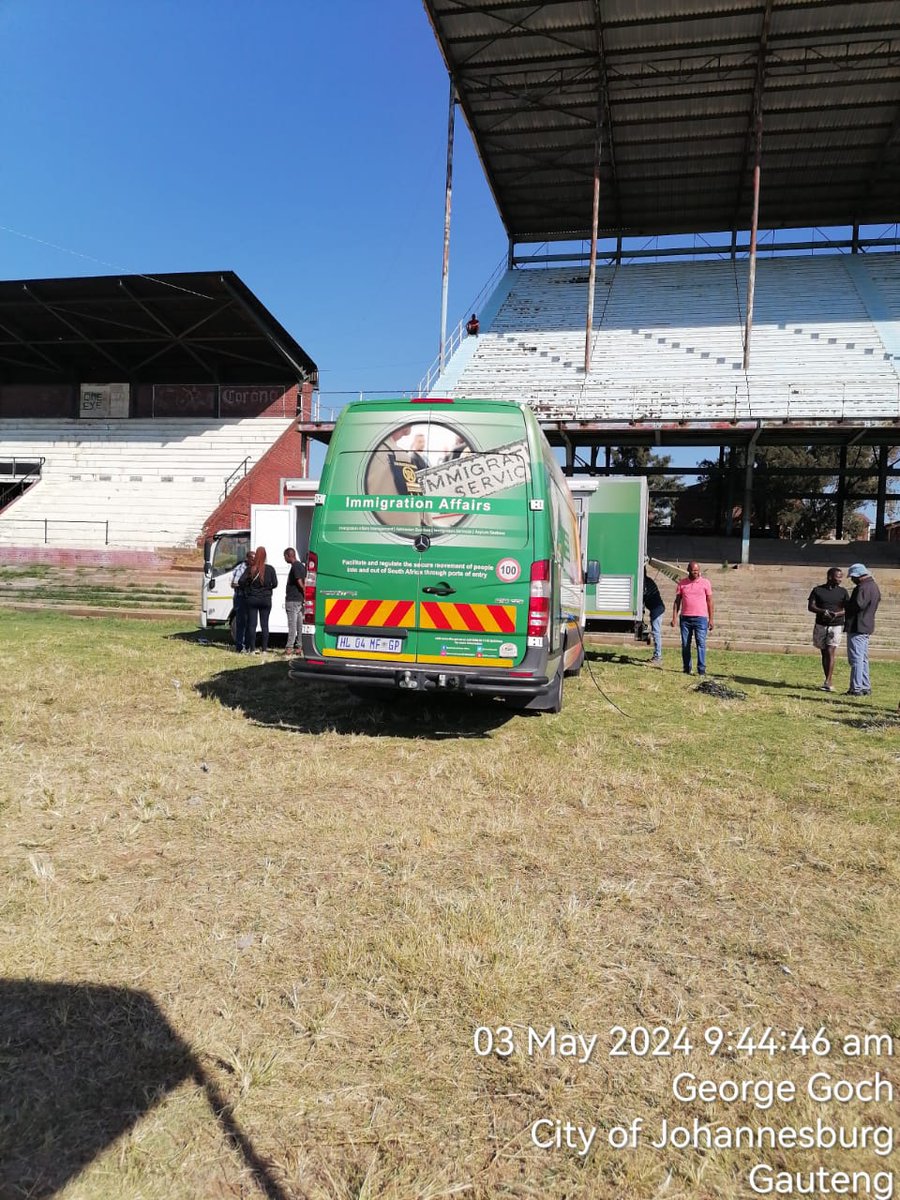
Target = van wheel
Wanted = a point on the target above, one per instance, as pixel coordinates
(579, 663)
(551, 702)
(232, 629)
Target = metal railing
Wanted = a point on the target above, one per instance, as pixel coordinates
(48, 522)
(327, 405)
(242, 468)
(23, 467)
(748, 400)
(458, 334)
(21, 477)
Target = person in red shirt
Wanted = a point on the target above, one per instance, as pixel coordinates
(694, 608)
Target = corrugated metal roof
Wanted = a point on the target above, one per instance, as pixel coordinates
(675, 86)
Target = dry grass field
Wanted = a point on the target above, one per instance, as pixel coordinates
(248, 930)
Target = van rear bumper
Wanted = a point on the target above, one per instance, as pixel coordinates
(422, 679)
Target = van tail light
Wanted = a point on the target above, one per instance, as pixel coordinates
(539, 599)
(309, 589)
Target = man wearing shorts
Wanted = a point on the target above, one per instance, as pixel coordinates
(828, 601)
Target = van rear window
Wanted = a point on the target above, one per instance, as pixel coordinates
(465, 476)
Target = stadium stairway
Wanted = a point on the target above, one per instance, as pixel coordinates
(136, 484)
(760, 607)
(763, 606)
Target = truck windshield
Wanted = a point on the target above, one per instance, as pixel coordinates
(228, 551)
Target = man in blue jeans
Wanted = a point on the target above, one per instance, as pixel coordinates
(860, 616)
(653, 602)
(694, 607)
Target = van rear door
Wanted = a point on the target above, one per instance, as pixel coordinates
(475, 540)
(367, 571)
(426, 536)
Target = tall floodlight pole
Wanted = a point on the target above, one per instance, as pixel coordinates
(448, 196)
(595, 224)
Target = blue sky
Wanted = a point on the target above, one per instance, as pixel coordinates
(299, 143)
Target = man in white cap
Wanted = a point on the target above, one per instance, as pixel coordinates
(860, 618)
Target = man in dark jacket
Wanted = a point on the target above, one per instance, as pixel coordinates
(653, 602)
(860, 614)
(829, 602)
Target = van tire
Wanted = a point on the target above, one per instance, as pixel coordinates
(232, 628)
(579, 663)
(551, 701)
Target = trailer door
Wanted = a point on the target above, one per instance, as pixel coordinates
(271, 526)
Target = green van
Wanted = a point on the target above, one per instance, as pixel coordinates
(444, 555)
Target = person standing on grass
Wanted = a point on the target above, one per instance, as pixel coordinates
(240, 603)
(259, 581)
(828, 601)
(694, 608)
(861, 609)
(293, 599)
(653, 602)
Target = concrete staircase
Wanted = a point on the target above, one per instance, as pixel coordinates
(760, 607)
(763, 606)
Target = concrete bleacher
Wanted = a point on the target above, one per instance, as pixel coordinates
(668, 341)
(136, 484)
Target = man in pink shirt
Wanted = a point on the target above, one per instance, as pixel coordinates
(694, 607)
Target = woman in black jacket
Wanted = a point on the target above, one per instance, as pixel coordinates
(258, 583)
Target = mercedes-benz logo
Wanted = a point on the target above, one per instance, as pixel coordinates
(422, 543)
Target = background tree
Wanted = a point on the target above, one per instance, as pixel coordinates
(641, 460)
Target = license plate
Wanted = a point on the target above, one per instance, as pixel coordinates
(378, 645)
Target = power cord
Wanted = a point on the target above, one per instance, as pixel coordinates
(610, 702)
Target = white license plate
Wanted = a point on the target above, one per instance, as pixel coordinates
(378, 645)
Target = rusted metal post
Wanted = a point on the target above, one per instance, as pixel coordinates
(758, 89)
(595, 222)
(754, 229)
(881, 501)
(448, 196)
(841, 494)
(748, 496)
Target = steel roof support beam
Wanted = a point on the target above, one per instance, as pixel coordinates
(20, 341)
(180, 339)
(302, 374)
(81, 335)
(757, 128)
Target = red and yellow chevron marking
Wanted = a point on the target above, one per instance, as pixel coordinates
(469, 618)
(387, 614)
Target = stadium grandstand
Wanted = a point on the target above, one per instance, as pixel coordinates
(702, 205)
(135, 411)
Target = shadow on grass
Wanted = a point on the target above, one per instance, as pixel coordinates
(81, 1064)
(266, 694)
(615, 656)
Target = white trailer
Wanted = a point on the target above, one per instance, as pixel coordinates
(275, 526)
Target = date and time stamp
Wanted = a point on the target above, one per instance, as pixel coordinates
(841, 1108)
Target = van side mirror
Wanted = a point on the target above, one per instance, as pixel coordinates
(592, 574)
